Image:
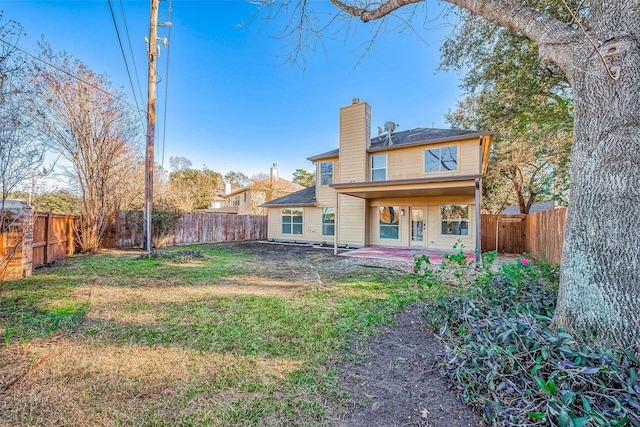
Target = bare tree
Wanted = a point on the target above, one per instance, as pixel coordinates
(81, 116)
(20, 154)
(598, 51)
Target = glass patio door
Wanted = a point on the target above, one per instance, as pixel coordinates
(417, 226)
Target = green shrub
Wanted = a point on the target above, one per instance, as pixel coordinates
(504, 358)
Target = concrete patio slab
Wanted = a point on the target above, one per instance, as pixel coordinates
(403, 254)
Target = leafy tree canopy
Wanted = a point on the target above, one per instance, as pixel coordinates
(304, 178)
(528, 104)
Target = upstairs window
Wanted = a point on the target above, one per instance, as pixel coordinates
(379, 168)
(441, 159)
(328, 221)
(326, 173)
(291, 221)
(455, 220)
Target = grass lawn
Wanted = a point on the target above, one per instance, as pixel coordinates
(231, 339)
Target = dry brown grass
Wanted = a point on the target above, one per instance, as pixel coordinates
(122, 303)
(86, 382)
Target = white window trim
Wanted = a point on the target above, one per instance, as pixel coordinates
(333, 170)
(322, 223)
(390, 225)
(424, 153)
(282, 222)
(456, 220)
(386, 169)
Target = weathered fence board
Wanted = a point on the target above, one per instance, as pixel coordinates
(545, 234)
(53, 237)
(195, 227)
(540, 234)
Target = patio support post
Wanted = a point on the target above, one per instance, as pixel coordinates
(478, 249)
(336, 229)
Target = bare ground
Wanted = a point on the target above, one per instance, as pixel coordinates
(397, 382)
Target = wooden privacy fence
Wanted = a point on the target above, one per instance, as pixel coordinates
(189, 228)
(540, 234)
(53, 237)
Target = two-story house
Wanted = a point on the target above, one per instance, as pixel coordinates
(248, 200)
(418, 187)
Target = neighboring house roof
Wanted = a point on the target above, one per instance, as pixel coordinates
(547, 205)
(417, 136)
(304, 197)
(14, 205)
(283, 185)
(228, 209)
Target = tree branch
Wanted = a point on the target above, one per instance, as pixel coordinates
(533, 24)
(365, 14)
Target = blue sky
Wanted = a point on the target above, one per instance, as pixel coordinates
(232, 104)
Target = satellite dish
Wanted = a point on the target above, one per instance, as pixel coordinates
(390, 126)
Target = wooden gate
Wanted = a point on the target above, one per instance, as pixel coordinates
(53, 237)
(504, 233)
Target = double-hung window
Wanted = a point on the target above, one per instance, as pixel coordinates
(379, 168)
(455, 220)
(291, 221)
(328, 221)
(389, 222)
(441, 159)
(326, 173)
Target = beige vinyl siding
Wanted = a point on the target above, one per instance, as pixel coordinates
(351, 221)
(437, 240)
(408, 163)
(274, 225)
(355, 135)
(311, 226)
(432, 236)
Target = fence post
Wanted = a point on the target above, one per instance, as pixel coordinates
(47, 236)
(70, 225)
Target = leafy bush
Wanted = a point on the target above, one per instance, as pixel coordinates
(504, 358)
(453, 270)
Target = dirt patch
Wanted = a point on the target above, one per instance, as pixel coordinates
(398, 383)
(313, 263)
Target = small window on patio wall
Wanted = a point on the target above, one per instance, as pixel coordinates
(328, 221)
(455, 220)
(291, 221)
(389, 222)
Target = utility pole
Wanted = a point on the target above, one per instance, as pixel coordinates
(151, 125)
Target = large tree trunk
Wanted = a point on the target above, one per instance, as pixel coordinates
(600, 272)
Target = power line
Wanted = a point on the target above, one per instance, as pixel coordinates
(166, 83)
(133, 107)
(133, 58)
(126, 64)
